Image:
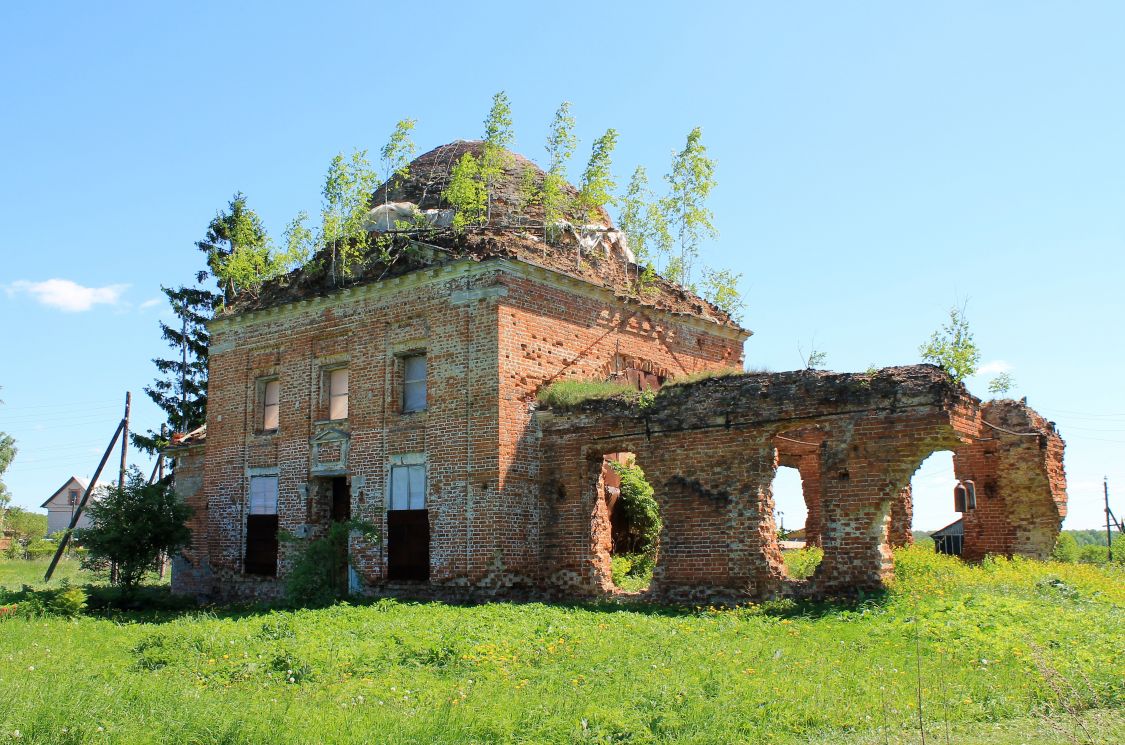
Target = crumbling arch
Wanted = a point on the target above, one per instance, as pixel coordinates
(929, 497)
(711, 450)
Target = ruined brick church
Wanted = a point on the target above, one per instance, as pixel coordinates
(405, 396)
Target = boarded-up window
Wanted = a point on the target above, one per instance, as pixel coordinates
(414, 383)
(271, 404)
(261, 527)
(408, 488)
(338, 393)
(408, 524)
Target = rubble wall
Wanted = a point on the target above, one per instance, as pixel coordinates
(711, 450)
(1017, 467)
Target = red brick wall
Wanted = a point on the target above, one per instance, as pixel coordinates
(514, 500)
(1017, 466)
(551, 329)
(482, 326)
(711, 450)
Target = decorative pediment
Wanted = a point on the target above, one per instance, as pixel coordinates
(329, 452)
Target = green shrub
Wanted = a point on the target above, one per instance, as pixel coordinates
(1093, 554)
(44, 548)
(632, 572)
(318, 573)
(801, 563)
(565, 393)
(620, 565)
(69, 601)
(641, 510)
(66, 601)
(695, 377)
(134, 524)
(1066, 549)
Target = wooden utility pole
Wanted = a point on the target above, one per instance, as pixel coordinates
(1108, 532)
(122, 426)
(121, 471)
(124, 441)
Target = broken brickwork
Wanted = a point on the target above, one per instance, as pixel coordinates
(498, 498)
(711, 450)
(1017, 467)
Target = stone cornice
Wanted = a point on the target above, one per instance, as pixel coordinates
(466, 268)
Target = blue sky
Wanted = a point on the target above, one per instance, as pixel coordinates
(877, 163)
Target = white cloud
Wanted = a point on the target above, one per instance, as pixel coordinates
(150, 303)
(995, 367)
(67, 295)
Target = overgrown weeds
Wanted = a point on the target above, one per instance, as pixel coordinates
(566, 393)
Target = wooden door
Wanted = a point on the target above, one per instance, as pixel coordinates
(408, 545)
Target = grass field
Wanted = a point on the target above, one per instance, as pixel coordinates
(1005, 652)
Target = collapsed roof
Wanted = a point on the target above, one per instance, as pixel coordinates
(593, 250)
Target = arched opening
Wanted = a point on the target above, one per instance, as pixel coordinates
(630, 534)
(789, 507)
(801, 555)
(929, 510)
(797, 500)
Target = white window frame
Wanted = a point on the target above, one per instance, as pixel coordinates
(407, 473)
(409, 383)
(269, 407)
(338, 403)
(261, 501)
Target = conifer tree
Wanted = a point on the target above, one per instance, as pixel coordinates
(181, 388)
(237, 248)
(240, 256)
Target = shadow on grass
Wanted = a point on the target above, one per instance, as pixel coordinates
(154, 604)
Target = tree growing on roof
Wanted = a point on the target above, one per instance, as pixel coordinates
(240, 254)
(466, 193)
(397, 154)
(561, 143)
(1001, 385)
(597, 181)
(952, 347)
(498, 137)
(690, 181)
(347, 191)
(720, 286)
(645, 227)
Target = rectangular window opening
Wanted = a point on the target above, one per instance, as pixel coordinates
(408, 488)
(261, 527)
(338, 393)
(408, 525)
(271, 405)
(414, 383)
